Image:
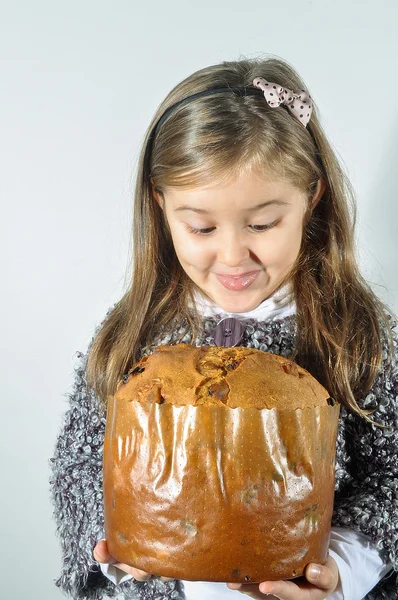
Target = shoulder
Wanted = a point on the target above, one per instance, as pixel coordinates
(385, 386)
(389, 337)
(374, 444)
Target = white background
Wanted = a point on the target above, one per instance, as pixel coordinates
(79, 82)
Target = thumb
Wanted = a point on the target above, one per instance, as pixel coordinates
(101, 553)
(322, 576)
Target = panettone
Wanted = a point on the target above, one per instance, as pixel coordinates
(219, 465)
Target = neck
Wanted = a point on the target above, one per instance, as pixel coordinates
(280, 304)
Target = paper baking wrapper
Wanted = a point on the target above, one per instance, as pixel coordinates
(211, 493)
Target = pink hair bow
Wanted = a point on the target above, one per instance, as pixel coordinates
(300, 105)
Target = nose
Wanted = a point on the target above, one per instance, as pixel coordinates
(233, 249)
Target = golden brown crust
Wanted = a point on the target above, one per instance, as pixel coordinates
(195, 491)
(235, 377)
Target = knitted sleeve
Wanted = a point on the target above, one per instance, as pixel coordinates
(368, 500)
(76, 493)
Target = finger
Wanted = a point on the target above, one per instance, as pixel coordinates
(322, 576)
(101, 553)
(136, 573)
(317, 584)
(248, 590)
(252, 590)
(283, 590)
(289, 590)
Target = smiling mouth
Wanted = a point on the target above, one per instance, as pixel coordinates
(237, 283)
(236, 275)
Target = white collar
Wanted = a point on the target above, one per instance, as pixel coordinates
(279, 305)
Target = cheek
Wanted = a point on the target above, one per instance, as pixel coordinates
(191, 251)
(283, 248)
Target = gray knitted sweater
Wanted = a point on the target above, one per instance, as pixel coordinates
(366, 481)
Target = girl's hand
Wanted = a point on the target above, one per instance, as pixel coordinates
(102, 555)
(315, 588)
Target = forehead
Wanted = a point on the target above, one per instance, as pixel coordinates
(246, 189)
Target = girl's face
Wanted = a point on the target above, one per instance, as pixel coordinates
(237, 242)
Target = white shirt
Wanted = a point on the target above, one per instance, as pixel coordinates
(281, 304)
(360, 564)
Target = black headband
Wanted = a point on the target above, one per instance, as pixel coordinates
(250, 91)
(239, 91)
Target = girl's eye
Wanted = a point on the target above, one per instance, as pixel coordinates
(200, 231)
(255, 228)
(260, 228)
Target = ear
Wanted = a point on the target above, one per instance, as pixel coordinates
(158, 197)
(320, 190)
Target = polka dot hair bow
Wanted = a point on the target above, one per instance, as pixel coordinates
(300, 105)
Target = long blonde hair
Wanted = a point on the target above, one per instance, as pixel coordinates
(213, 138)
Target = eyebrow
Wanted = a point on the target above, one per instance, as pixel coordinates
(250, 209)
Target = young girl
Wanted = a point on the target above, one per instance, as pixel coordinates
(243, 211)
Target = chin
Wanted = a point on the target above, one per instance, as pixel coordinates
(237, 305)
